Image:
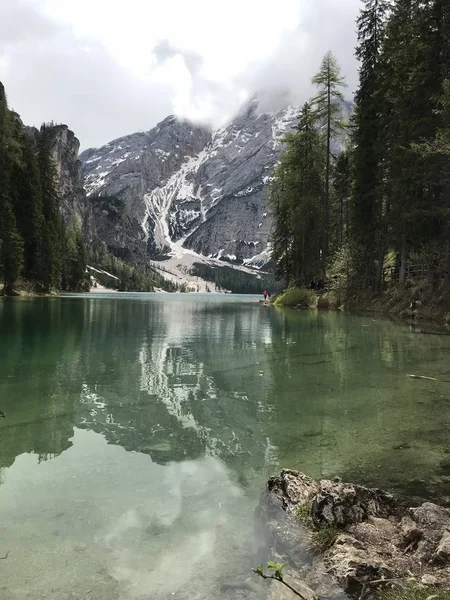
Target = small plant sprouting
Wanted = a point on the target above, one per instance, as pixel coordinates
(276, 567)
(277, 575)
(303, 512)
(323, 538)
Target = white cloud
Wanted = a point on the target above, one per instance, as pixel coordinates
(108, 68)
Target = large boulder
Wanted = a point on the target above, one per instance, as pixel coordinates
(342, 504)
(353, 564)
(375, 535)
(443, 549)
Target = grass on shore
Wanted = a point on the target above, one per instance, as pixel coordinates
(413, 592)
(300, 297)
(323, 538)
(303, 512)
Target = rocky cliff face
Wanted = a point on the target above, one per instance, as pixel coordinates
(182, 188)
(70, 176)
(74, 202)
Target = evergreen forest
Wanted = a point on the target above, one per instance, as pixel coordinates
(363, 202)
(35, 243)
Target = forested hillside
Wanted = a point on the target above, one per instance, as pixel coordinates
(35, 243)
(377, 213)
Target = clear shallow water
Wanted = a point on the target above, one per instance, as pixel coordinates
(141, 429)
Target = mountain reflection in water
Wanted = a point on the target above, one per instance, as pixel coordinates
(141, 428)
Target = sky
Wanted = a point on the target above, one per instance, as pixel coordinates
(107, 68)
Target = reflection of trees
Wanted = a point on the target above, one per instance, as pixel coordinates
(39, 340)
(178, 380)
(343, 403)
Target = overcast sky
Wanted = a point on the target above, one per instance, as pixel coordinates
(112, 67)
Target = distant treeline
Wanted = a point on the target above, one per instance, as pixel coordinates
(129, 279)
(35, 243)
(235, 280)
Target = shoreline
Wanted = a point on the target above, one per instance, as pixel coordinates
(365, 540)
(420, 304)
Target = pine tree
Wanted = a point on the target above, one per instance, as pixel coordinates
(11, 247)
(297, 200)
(49, 271)
(11, 244)
(342, 184)
(367, 202)
(328, 104)
(412, 61)
(28, 209)
(75, 258)
(281, 239)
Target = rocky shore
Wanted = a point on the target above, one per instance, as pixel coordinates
(340, 539)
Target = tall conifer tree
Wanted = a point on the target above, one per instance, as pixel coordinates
(328, 105)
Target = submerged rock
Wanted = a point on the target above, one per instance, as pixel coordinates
(369, 535)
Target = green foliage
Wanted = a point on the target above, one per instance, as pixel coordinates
(296, 203)
(342, 271)
(235, 280)
(329, 300)
(303, 512)
(74, 272)
(323, 538)
(34, 241)
(430, 259)
(388, 194)
(277, 569)
(11, 247)
(51, 267)
(328, 106)
(340, 208)
(11, 243)
(297, 297)
(126, 278)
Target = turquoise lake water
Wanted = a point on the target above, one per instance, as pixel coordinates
(141, 429)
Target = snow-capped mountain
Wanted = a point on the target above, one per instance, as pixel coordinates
(181, 188)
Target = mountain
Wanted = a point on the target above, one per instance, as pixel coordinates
(65, 148)
(182, 189)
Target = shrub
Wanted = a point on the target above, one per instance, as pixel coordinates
(323, 538)
(303, 512)
(341, 272)
(297, 297)
(328, 300)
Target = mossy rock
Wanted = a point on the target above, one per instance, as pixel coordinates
(323, 538)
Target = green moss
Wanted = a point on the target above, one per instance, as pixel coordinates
(323, 538)
(297, 297)
(413, 592)
(303, 512)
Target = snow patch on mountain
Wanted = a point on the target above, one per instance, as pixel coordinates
(180, 189)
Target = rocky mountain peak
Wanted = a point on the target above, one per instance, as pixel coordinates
(181, 187)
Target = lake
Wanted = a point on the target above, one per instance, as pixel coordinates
(141, 429)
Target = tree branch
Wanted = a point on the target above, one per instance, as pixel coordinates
(284, 583)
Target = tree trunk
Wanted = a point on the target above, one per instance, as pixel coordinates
(403, 255)
(303, 253)
(379, 275)
(326, 203)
